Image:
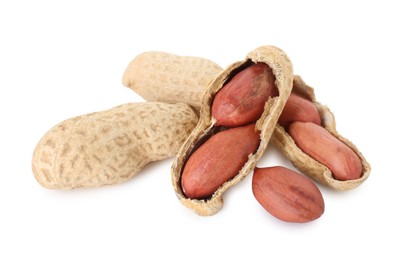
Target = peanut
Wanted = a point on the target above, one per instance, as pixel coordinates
(147, 73)
(241, 101)
(219, 159)
(300, 109)
(319, 144)
(110, 146)
(205, 168)
(165, 77)
(287, 195)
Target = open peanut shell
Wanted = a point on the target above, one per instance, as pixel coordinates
(305, 163)
(281, 67)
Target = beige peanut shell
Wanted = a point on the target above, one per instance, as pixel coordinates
(160, 76)
(111, 146)
(187, 66)
(305, 163)
(282, 70)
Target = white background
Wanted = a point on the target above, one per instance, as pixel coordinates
(62, 59)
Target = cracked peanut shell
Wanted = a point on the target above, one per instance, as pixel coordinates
(304, 162)
(281, 67)
(280, 139)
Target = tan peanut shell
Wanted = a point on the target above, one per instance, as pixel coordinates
(160, 76)
(305, 163)
(110, 146)
(281, 67)
(281, 139)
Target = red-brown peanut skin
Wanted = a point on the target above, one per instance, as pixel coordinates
(299, 109)
(287, 195)
(322, 146)
(218, 160)
(241, 101)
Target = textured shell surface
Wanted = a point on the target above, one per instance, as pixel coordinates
(166, 77)
(110, 146)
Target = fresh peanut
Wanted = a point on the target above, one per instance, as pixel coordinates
(241, 101)
(300, 109)
(151, 72)
(110, 146)
(219, 159)
(165, 77)
(231, 157)
(287, 195)
(319, 144)
(313, 168)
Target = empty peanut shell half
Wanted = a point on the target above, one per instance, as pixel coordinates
(304, 162)
(281, 68)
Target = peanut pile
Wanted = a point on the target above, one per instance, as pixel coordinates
(217, 123)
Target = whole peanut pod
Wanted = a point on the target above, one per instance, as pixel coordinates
(205, 171)
(160, 76)
(287, 195)
(110, 146)
(281, 68)
(319, 144)
(241, 101)
(299, 109)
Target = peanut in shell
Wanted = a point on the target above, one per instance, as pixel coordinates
(166, 77)
(303, 161)
(110, 146)
(281, 67)
(186, 67)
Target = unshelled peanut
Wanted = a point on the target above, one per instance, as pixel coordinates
(166, 77)
(110, 146)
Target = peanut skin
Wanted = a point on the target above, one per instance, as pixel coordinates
(110, 146)
(159, 76)
(219, 159)
(300, 109)
(241, 101)
(228, 160)
(287, 195)
(319, 144)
